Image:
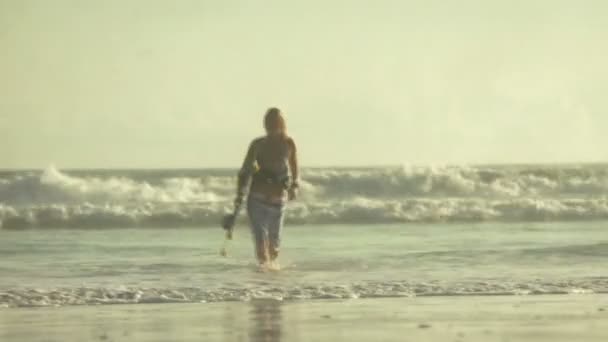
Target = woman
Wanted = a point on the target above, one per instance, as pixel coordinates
(266, 177)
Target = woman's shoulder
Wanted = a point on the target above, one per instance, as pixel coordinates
(290, 141)
(257, 141)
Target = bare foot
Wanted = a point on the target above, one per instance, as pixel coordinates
(269, 266)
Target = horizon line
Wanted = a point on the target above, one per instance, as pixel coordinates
(352, 166)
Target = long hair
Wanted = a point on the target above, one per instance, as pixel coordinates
(275, 121)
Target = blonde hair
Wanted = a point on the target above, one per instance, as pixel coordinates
(274, 120)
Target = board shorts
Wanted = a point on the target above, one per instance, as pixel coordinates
(266, 220)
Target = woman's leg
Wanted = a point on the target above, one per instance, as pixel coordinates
(258, 218)
(275, 226)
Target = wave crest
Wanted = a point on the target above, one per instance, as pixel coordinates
(52, 198)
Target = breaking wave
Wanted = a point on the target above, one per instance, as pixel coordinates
(105, 199)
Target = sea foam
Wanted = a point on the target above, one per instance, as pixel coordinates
(114, 199)
(142, 295)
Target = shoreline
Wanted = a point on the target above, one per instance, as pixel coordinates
(448, 318)
(132, 295)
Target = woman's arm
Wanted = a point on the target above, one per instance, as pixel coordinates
(247, 170)
(293, 167)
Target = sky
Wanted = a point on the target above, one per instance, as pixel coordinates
(185, 84)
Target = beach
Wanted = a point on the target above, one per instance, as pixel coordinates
(303, 171)
(449, 254)
(445, 318)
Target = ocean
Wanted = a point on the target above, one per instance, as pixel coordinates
(72, 237)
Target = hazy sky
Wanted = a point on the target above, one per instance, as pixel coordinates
(175, 83)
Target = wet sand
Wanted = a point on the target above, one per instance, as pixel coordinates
(489, 318)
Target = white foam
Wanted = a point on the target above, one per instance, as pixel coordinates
(53, 186)
(407, 194)
(139, 295)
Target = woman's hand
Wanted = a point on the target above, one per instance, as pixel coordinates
(238, 201)
(292, 194)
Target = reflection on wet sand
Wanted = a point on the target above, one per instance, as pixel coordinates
(265, 320)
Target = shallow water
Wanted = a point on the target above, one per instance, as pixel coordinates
(63, 267)
(474, 319)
